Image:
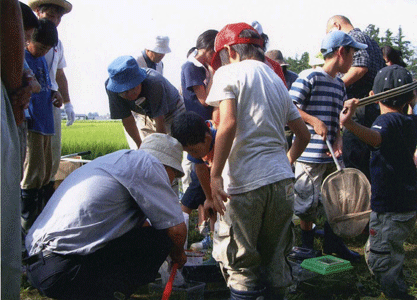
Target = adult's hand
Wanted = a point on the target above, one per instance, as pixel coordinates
(69, 110)
(178, 257)
(20, 100)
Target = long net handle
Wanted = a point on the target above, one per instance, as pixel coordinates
(168, 287)
(389, 94)
(333, 155)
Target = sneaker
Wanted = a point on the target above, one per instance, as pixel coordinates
(205, 244)
(204, 228)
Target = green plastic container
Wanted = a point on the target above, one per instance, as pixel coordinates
(326, 265)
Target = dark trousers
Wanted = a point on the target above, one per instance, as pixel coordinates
(194, 195)
(121, 266)
(356, 154)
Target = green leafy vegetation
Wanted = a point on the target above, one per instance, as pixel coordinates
(100, 137)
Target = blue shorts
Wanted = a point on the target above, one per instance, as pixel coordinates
(194, 195)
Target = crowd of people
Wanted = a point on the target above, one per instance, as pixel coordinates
(247, 136)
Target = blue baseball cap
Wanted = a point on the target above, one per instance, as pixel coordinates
(336, 39)
(124, 74)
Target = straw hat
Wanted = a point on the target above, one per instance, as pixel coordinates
(34, 4)
(165, 148)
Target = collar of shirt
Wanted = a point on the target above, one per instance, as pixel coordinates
(149, 62)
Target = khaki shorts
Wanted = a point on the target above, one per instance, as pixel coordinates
(146, 125)
(38, 162)
(308, 180)
(254, 237)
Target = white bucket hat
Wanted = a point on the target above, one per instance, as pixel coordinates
(159, 45)
(165, 148)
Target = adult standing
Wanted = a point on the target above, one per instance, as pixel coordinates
(358, 81)
(53, 10)
(153, 99)
(277, 56)
(12, 56)
(92, 241)
(152, 55)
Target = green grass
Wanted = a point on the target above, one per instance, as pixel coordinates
(100, 137)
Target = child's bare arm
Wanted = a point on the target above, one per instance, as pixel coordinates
(302, 138)
(203, 174)
(367, 135)
(318, 125)
(224, 140)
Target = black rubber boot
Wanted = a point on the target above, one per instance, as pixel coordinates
(334, 244)
(29, 210)
(47, 192)
(307, 238)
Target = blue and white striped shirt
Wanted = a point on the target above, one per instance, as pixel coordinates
(322, 96)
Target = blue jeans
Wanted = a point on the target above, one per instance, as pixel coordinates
(121, 266)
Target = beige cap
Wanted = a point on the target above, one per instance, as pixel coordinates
(165, 148)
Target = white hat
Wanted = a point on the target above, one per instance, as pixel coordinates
(257, 26)
(165, 148)
(159, 45)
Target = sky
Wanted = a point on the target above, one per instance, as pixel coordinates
(94, 33)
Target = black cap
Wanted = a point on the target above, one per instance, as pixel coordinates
(392, 77)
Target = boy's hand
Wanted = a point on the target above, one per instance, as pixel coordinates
(320, 128)
(57, 99)
(348, 110)
(209, 209)
(218, 194)
(337, 147)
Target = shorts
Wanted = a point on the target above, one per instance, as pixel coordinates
(254, 237)
(194, 195)
(38, 162)
(307, 188)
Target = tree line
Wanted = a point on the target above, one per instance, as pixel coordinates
(398, 42)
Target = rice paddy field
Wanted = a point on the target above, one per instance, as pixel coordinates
(99, 137)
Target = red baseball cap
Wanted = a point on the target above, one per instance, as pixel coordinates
(229, 36)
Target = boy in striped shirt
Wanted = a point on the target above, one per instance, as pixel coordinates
(319, 95)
